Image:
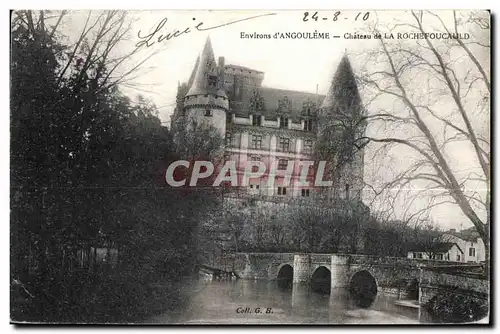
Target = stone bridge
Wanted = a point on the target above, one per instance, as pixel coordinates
(360, 276)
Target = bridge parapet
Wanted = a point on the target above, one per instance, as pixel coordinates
(391, 274)
(395, 261)
(436, 281)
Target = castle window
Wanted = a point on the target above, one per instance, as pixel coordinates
(282, 164)
(229, 139)
(256, 142)
(305, 192)
(256, 120)
(308, 111)
(208, 112)
(284, 144)
(308, 146)
(283, 122)
(212, 81)
(255, 168)
(308, 125)
(347, 191)
(281, 190)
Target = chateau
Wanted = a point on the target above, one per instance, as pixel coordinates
(276, 126)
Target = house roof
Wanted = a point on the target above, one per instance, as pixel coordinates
(469, 234)
(205, 65)
(343, 92)
(441, 247)
(295, 102)
(466, 235)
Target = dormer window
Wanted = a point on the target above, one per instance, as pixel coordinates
(256, 120)
(283, 122)
(212, 81)
(308, 125)
(208, 112)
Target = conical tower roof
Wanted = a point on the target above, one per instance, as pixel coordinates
(343, 92)
(206, 66)
(193, 73)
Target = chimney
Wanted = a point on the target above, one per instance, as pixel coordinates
(221, 71)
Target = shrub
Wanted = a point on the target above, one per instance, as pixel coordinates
(456, 308)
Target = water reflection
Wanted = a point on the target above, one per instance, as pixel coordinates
(363, 289)
(273, 302)
(285, 278)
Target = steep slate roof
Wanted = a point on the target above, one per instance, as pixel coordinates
(193, 74)
(271, 97)
(343, 88)
(206, 65)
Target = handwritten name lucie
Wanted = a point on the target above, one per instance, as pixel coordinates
(159, 35)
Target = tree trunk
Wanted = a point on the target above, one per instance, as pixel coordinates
(487, 258)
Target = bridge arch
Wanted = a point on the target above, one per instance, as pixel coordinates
(321, 280)
(284, 276)
(363, 288)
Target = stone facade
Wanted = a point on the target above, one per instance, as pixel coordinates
(277, 127)
(434, 281)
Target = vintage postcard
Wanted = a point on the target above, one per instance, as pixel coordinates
(250, 167)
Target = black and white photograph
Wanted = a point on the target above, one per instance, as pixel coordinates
(250, 167)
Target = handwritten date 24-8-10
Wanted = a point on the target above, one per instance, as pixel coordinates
(337, 16)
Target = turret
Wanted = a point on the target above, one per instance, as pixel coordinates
(206, 100)
(339, 126)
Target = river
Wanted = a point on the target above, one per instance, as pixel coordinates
(263, 302)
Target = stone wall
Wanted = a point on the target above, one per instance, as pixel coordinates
(434, 281)
(257, 265)
(391, 274)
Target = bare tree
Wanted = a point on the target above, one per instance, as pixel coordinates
(100, 50)
(427, 237)
(278, 231)
(429, 103)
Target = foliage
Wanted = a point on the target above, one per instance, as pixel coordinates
(87, 170)
(456, 308)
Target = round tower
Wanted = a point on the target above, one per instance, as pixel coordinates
(338, 117)
(206, 101)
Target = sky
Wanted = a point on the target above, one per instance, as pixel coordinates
(297, 64)
(304, 65)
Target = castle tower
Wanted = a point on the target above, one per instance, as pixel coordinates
(206, 100)
(339, 126)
